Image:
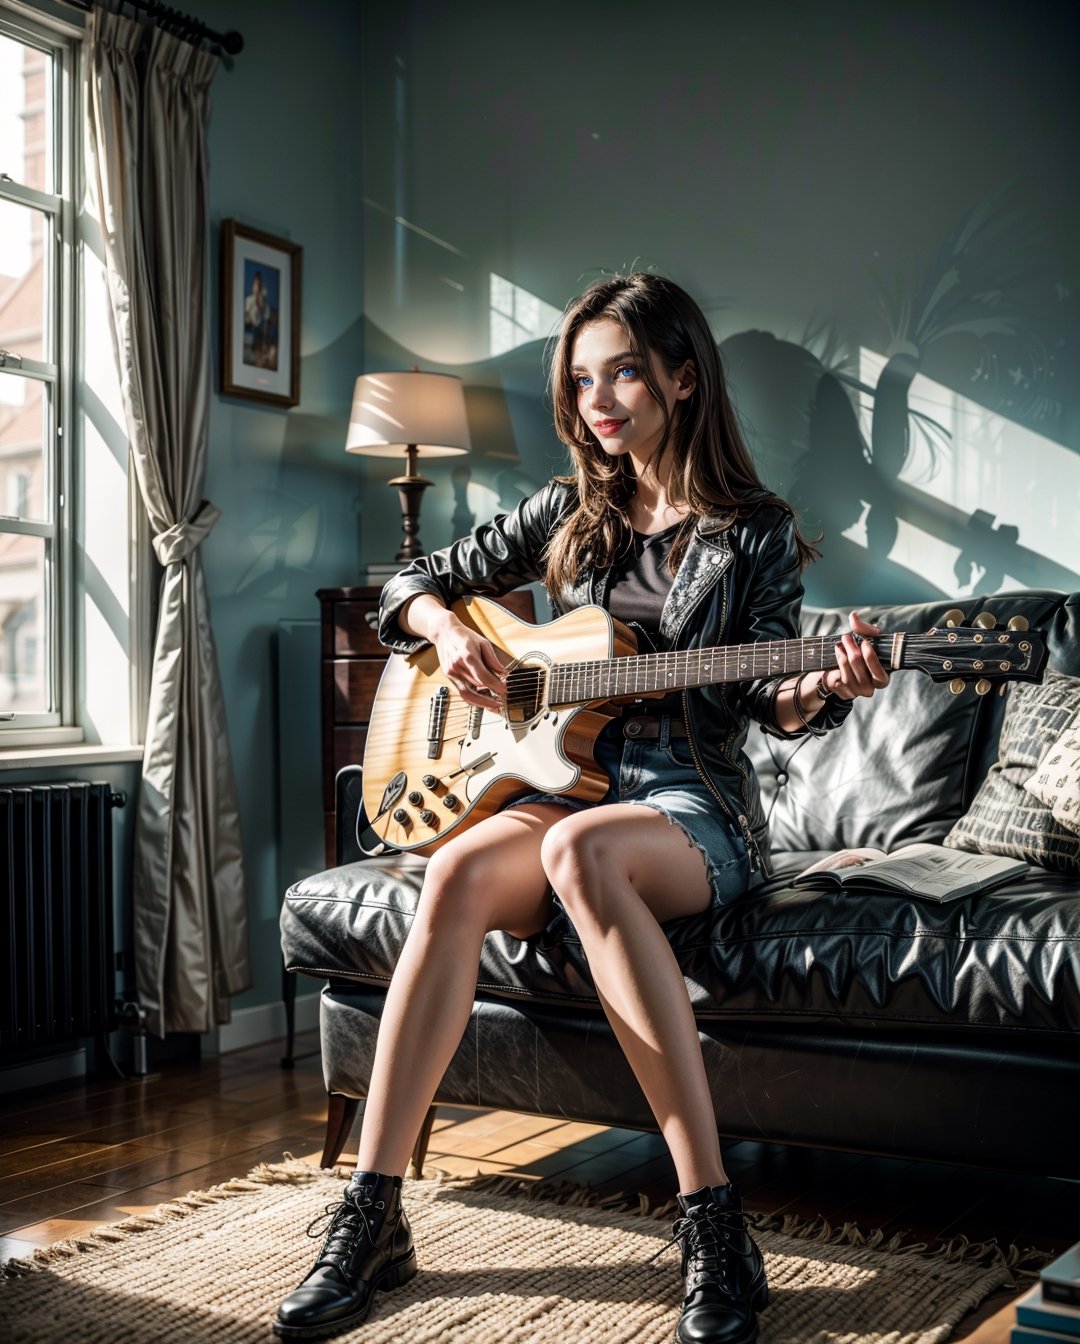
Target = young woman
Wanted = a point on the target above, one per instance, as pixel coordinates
(665, 523)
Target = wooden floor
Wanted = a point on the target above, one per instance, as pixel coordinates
(72, 1157)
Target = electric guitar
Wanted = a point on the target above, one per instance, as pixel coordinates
(434, 765)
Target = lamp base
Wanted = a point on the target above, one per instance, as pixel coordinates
(410, 491)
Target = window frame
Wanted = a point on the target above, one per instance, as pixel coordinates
(58, 372)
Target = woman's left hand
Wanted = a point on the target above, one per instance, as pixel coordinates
(858, 669)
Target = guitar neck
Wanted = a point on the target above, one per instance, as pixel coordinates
(644, 674)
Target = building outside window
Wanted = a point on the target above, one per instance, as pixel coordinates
(36, 373)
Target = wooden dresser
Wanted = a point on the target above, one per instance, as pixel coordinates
(352, 663)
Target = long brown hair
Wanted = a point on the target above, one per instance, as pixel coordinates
(711, 469)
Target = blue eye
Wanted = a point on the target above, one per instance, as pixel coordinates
(583, 380)
(626, 372)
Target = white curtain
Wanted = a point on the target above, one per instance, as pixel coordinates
(148, 106)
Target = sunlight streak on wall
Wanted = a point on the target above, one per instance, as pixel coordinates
(996, 475)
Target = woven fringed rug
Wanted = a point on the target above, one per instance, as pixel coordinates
(502, 1262)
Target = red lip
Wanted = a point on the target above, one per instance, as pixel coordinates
(608, 426)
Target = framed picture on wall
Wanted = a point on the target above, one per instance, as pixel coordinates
(260, 316)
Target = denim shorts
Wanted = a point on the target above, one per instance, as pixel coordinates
(660, 773)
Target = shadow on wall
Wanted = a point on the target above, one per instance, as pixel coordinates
(902, 477)
(852, 489)
(289, 493)
(902, 461)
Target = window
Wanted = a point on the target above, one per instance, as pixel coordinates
(37, 247)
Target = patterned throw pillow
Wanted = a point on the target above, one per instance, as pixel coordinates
(1003, 817)
(1057, 780)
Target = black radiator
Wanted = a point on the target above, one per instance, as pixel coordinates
(56, 905)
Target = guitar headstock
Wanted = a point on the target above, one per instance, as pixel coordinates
(980, 653)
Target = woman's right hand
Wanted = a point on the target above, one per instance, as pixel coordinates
(471, 663)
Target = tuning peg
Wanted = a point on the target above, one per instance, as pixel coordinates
(985, 621)
(982, 686)
(956, 685)
(954, 616)
(1018, 623)
(1003, 689)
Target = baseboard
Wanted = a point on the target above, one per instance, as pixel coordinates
(249, 1026)
(264, 1022)
(42, 1072)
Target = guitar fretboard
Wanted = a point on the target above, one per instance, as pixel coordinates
(642, 674)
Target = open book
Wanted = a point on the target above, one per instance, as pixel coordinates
(929, 872)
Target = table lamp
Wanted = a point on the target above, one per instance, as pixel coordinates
(408, 413)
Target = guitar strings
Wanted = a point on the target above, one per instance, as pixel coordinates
(523, 684)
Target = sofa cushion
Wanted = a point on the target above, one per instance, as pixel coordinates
(1009, 959)
(907, 762)
(1005, 818)
(1056, 782)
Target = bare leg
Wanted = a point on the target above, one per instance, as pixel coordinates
(621, 870)
(489, 878)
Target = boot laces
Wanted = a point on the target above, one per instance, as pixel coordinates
(707, 1235)
(347, 1222)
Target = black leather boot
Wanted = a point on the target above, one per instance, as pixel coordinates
(368, 1248)
(725, 1275)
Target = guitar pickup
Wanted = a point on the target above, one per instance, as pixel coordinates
(437, 711)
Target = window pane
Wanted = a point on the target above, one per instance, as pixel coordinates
(23, 281)
(25, 115)
(23, 483)
(33, 590)
(23, 624)
(12, 390)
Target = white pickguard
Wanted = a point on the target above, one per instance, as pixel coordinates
(530, 752)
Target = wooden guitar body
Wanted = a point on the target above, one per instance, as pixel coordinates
(433, 764)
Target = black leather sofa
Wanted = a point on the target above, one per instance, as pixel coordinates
(854, 1021)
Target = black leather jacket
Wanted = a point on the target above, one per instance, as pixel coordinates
(737, 583)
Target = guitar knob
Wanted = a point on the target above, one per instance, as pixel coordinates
(416, 797)
(982, 686)
(401, 816)
(956, 685)
(428, 817)
(954, 616)
(450, 802)
(429, 781)
(1018, 623)
(985, 620)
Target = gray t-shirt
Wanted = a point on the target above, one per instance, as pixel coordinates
(640, 583)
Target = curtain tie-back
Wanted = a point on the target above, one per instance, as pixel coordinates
(176, 543)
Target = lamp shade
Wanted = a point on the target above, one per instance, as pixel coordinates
(393, 411)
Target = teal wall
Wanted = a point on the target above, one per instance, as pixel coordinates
(875, 204)
(839, 185)
(284, 158)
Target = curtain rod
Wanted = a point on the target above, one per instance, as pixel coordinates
(186, 27)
